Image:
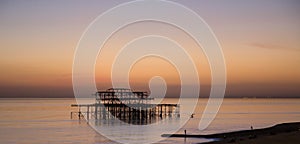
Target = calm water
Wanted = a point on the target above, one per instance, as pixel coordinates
(48, 120)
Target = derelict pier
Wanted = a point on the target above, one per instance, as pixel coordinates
(134, 107)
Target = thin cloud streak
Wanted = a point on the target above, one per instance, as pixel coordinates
(272, 46)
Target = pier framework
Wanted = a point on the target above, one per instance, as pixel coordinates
(133, 107)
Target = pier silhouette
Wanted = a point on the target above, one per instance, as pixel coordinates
(133, 107)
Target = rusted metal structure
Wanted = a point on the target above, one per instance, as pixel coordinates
(134, 107)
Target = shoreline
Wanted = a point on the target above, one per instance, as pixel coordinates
(280, 133)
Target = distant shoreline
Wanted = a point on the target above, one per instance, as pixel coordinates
(280, 133)
(166, 97)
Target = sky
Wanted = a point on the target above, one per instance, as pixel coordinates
(260, 41)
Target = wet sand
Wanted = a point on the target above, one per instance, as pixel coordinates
(278, 134)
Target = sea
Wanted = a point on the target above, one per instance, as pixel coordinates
(44, 120)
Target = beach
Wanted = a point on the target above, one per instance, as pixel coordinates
(281, 138)
(278, 134)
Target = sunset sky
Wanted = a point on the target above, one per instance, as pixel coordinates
(260, 41)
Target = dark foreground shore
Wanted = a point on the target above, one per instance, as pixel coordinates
(282, 133)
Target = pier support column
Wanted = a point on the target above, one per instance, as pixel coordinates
(88, 113)
(96, 111)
